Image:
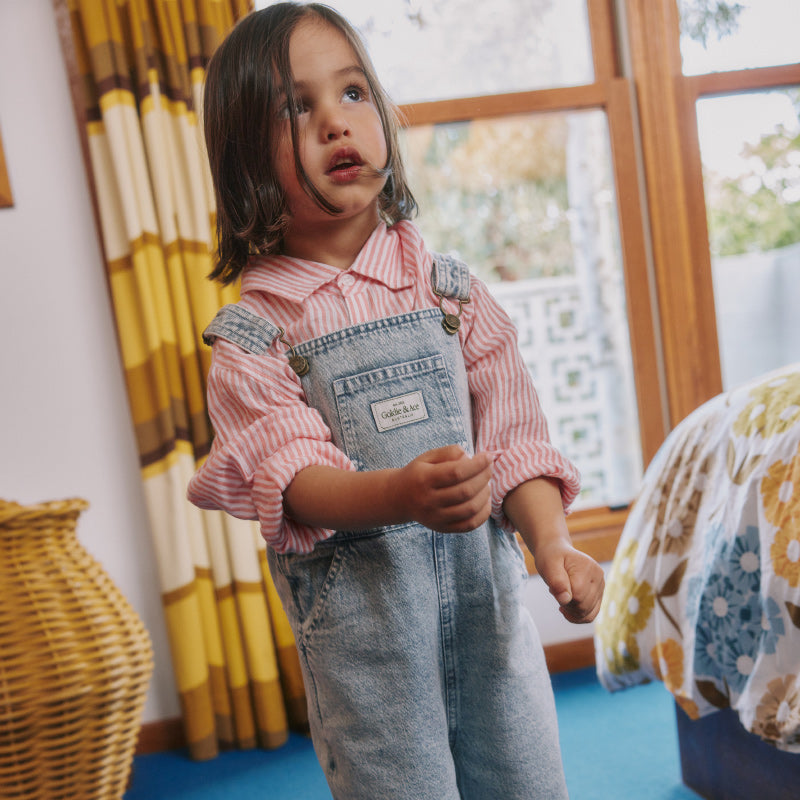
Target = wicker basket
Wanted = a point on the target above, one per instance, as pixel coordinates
(75, 662)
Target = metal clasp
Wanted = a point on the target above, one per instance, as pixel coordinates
(298, 363)
(451, 322)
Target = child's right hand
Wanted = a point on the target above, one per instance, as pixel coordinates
(446, 490)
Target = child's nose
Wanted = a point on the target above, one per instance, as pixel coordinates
(333, 124)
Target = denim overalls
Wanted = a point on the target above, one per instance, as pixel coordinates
(424, 673)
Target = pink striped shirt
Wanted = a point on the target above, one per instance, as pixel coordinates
(265, 432)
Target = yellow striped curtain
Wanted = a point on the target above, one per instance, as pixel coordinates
(142, 65)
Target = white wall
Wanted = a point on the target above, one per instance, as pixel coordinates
(65, 428)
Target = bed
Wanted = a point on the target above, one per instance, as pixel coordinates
(704, 590)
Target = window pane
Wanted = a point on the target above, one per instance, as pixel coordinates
(528, 202)
(740, 34)
(750, 146)
(437, 49)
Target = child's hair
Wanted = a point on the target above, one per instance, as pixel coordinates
(248, 85)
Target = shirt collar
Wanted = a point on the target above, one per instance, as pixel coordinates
(383, 258)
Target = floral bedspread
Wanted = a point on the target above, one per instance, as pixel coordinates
(704, 590)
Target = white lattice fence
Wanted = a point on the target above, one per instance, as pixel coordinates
(575, 379)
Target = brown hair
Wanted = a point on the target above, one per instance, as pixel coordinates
(248, 80)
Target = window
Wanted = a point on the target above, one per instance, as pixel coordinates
(677, 63)
(750, 157)
(750, 150)
(528, 201)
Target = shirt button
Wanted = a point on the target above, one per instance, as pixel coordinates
(346, 281)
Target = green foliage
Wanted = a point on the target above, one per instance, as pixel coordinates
(495, 194)
(742, 221)
(759, 209)
(700, 19)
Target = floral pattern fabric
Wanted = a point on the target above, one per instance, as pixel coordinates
(704, 591)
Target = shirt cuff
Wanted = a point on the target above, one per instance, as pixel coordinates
(522, 463)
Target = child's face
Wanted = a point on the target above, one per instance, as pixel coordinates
(341, 139)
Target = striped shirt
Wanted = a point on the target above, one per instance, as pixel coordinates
(265, 432)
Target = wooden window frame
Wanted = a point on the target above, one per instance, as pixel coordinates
(675, 195)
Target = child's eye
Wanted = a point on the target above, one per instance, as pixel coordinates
(354, 94)
(299, 108)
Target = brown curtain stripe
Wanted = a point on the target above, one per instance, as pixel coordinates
(141, 65)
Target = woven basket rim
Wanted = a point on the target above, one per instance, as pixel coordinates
(11, 511)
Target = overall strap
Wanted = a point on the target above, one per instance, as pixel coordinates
(252, 333)
(450, 278)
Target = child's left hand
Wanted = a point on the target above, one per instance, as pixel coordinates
(574, 579)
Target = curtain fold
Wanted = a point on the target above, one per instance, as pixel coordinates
(141, 65)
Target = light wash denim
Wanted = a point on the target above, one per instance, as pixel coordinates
(425, 676)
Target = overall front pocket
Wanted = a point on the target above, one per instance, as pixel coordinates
(307, 579)
(391, 415)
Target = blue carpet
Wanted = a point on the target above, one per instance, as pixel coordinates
(619, 746)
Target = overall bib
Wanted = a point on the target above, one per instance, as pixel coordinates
(424, 673)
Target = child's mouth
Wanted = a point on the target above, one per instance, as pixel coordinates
(345, 166)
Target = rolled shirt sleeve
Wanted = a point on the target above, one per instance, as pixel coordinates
(265, 435)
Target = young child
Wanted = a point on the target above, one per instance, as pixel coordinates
(372, 411)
